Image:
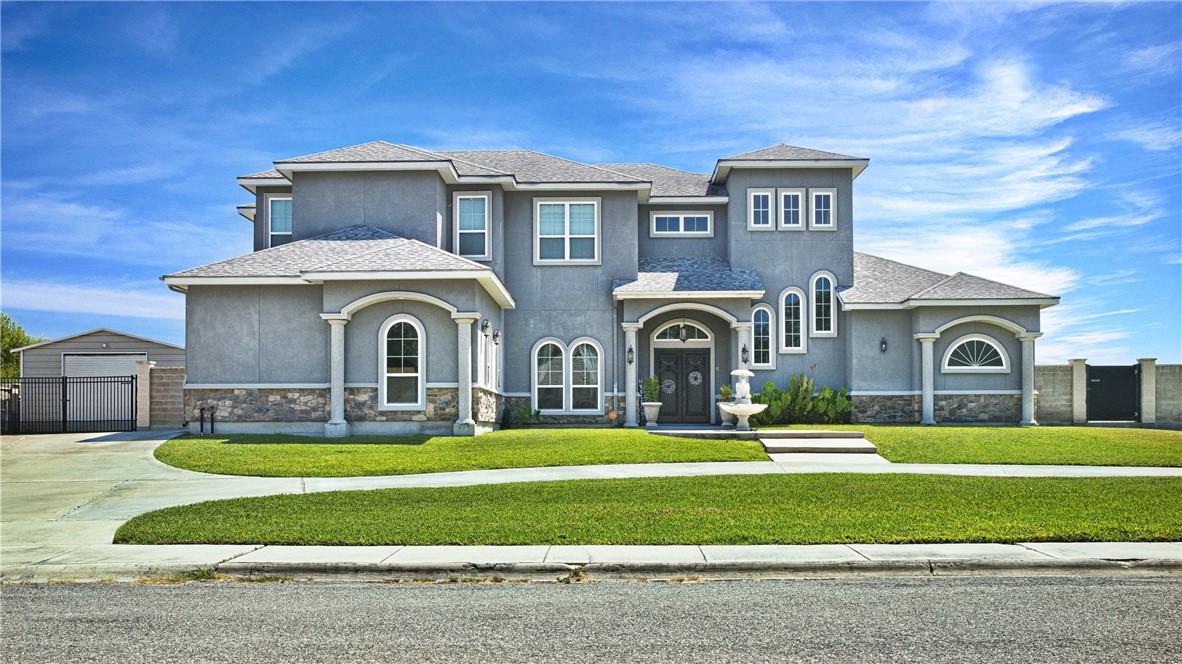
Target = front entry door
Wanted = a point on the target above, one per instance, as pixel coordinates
(685, 385)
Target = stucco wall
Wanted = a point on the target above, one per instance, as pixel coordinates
(870, 368)
(260, 213)
(1053, 384)
(46, 361)
(1169, 393)
(406, 203)
(682, 247)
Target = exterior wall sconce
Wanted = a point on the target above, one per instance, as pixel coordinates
(745, 354)
(484, 325)
(631, 355)
(497, 337)
(103, 346)
(682, 333)
(882, 345)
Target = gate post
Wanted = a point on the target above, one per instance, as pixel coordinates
(65, 404)
(1148, 390)
(143, 394)
(1079, 391)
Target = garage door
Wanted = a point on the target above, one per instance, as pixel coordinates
(100, 364)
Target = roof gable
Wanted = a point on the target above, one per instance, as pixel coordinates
(784, 152)
(97, 330)
(374, 151)
(880, 281)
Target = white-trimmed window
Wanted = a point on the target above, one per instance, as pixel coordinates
(568, 382)
(566, 231)
(823, 209)
(792, 311)
(549, 370)
(792, 210)
(824, 314)
(585, 369)
(472, 224)
(402, 375)
(761, 209)
(975, 353)
(762, 324)
(278, 220)
(681, 224)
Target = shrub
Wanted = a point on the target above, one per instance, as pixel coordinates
(726, 393)
(651, 388)
(800, 403)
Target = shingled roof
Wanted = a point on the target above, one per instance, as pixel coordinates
(882, 281)
(374, 151)
(784, 152)
(536, 167)
(695, 275)
(669, 181)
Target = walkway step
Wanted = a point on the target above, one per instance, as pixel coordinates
(818, 446)
(810, 434)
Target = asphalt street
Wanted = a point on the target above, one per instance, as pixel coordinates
(1002, 619)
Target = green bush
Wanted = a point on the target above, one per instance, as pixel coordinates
(800, 403)
(651, 389)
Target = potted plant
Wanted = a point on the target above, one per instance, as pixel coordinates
(725, 395)
(651, 391)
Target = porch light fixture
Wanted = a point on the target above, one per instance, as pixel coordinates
(484, 325)
(103, 346)
(745, 355)
(631, 355)
(497, 337)
(683, 333)
(882, 345)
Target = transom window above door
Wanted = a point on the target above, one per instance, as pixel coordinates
(682, 332)
(566, 231)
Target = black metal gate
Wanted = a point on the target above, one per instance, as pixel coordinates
(70, 404)
(1114, 393)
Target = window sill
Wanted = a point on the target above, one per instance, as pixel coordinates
(702, 236)
(823, 335)
(822, 228)
(792, 351)
(541, 263)
(402, 407)
(760, 228)
(792, 229)
(975, 370)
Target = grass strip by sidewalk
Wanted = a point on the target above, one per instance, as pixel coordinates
(302, 456)
(727, 509)
(1084, 446)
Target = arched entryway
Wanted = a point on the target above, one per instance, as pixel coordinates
(681, 353)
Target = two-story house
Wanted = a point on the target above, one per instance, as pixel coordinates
(396, 290)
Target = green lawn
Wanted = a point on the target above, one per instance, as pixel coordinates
(1085, 446)
(728, 509)
(301, 456)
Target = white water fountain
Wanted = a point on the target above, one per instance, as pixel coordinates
(742, 408)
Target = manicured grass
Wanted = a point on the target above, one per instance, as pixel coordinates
(728, 509)
(1083, 446)
(302, 456)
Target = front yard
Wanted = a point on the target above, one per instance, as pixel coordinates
(727, 509)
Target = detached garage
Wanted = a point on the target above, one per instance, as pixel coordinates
(83, 382)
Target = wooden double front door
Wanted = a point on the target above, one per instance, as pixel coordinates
(685, 385)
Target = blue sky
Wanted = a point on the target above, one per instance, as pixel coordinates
(1033, 144)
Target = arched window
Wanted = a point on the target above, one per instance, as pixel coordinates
(824, 313)
(584, 374)
(792, 307)
(761, 341)
(548, 373)
(682, 332)
(402, 344)
(976, 353)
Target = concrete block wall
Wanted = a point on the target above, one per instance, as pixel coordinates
(1169, 393)
(1053, 384)
(166, 400)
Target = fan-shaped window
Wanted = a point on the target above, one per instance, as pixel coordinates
(584, 375)
(761, 320)
(402, 375)
(682, 332)
(976, 353)
(549, 368)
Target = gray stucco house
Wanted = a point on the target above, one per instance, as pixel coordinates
(394, 289)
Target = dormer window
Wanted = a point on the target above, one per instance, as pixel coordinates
(759, 209)
(823, 209)
(278, 220)
(471, 212)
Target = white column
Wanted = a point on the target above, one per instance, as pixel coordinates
(336, 425)
(742, 337)
(630, 374)
(1079, 391)
(927, 376)
(1148, 390)
(464, 426)
(1028, 378)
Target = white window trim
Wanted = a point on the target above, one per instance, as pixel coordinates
(421, 404)
(570, 377)
(780, 193)
(771, 213)
(783, 321)
(1001, 350)
(455, 204)
(771, 343)
(812, 312)
(598, 260)
(681, 215)
(533, 375)
(267, 198)
(832, 225)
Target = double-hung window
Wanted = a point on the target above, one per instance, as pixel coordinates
(278, 220)
(472, 238)
(762, 324)
(568, 379)
(824, 312)
(791, 209)
(792, 311)
(761, 209)
(549, 372)
(823, 209)
(566, 231)
(682, 224)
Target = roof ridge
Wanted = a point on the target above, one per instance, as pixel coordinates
(994, 281)
(891, 260)
(355, 256)
(473, 163)
(347, 147)
(413, 149)
(654, 164)
(945, 280)
(580, 163)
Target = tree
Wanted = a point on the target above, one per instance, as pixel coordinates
(12, 335)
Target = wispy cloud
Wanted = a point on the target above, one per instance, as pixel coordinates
(134, 300)
(1152, 135)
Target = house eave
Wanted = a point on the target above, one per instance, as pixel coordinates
(688, 295)
(724, 166)
(247, 211)
(688, 200)
(1041, 302)
(252, 184)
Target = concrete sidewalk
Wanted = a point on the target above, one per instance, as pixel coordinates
(62, 498)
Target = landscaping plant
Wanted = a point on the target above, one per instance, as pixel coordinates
(800, 403)
(651, 388)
